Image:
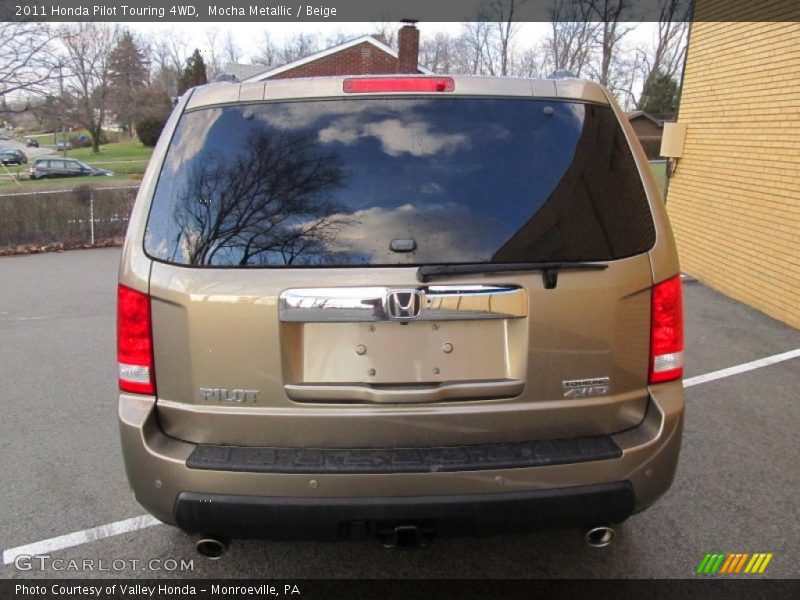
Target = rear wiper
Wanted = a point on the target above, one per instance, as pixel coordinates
(549, 270)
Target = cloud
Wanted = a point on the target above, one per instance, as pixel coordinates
(397, 137)
(431, 189)
(301, 115)
(372, 229)
(196, 126)
(345, 131)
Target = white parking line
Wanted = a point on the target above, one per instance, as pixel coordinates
(142, 522)
(743, 368)
(80, 537)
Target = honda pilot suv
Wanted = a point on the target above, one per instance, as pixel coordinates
(398, 306)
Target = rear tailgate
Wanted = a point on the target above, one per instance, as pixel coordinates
(571, 361)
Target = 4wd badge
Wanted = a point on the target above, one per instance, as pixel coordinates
(583, 388)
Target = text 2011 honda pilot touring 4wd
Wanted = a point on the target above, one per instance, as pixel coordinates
(399, 307)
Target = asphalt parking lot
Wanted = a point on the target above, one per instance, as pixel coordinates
(736, 490)
(30, 152)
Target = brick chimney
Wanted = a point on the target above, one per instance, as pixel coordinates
(408, 47)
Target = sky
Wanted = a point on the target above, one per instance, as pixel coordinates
(249, 34)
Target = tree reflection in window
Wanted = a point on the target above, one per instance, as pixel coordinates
(270, 203)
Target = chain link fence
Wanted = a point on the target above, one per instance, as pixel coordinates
(78, 217)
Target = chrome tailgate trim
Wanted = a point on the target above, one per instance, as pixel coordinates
(429, 303)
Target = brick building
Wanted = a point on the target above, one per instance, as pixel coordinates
(734, 198)
(362, 56)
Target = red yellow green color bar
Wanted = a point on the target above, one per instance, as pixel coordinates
(734, 563)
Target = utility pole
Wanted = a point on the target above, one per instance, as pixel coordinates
(60, 98)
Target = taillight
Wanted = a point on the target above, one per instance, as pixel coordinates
(666, 331)
(134, 342)
(398, 84)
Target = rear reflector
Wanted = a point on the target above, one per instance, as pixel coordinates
(399, 84)
(134, 342)
(666, 331)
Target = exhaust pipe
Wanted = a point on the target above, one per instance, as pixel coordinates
(211, 547)
(600, 537)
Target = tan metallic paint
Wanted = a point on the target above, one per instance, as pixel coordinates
(157, 471)
(219, 328)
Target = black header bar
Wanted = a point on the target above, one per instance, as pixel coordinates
(375, 10)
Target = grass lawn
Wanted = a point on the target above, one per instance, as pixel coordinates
(124, 158)
(44, 138)
(47, 138)
(660, 171)
(125, 150)
(26, 185)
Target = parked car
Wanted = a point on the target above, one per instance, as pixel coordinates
(410, 306)
(32, 143)
(45, 168)
(64, 145)
(12, 156)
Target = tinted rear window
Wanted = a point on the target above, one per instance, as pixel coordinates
(335, 182)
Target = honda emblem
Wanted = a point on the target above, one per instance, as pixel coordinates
(403, 304)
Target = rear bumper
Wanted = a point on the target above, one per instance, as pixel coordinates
(507, 497)
(335, 518)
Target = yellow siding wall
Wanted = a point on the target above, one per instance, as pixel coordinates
(734, 200)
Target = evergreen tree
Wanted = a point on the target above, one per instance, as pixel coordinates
(662, 101)
(194, 73)
(128, 68)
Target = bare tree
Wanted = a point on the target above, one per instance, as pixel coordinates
(437, 53)
(267, 51)
(475, 48)
(501, 14)
(221, 49)
(483, 47)
(168, 56)
(624, 76)
(386, 32)
(230, 49)
(28, 63)
(572, 36)
(87, 87)
(532, 63)
(270, 204)
(299, 46)
(176, 49)
(159, 54)
(336, 38)
(611, 30)
(293, 48)
(667, 55)
(486, 43)
(212, 53)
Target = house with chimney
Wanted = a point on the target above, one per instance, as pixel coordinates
(363, 55)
